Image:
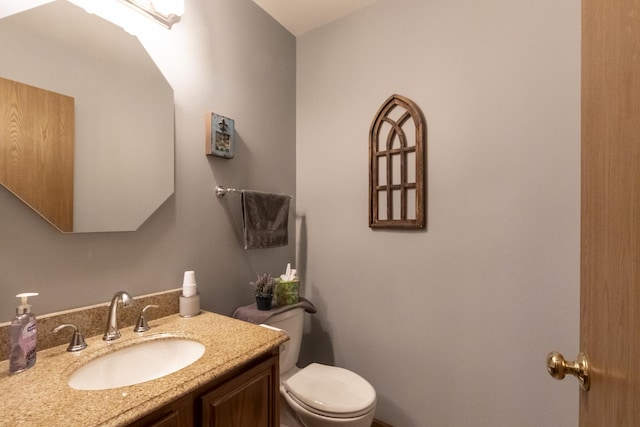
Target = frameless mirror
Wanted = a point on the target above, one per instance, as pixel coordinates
(124, 110)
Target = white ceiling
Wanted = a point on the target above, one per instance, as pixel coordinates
(300, 16)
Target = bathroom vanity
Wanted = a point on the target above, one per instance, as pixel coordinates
(247, 396)
(234, 383)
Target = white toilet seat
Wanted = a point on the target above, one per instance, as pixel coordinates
(331, 392)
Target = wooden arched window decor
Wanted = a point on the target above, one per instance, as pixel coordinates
(396, 166)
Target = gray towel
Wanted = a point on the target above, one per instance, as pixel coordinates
(265, 219)
(250, 313)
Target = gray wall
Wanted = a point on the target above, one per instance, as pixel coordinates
(225, 56)
(451, 325)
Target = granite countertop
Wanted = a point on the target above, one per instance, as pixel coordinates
(40, 395)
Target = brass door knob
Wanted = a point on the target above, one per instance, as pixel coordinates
(558, 367)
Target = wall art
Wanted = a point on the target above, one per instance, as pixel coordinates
(220, 140)
(397, 166)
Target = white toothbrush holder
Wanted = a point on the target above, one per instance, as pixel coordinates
(189, 306)
(190, 298)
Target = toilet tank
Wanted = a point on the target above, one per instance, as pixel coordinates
(292, 322)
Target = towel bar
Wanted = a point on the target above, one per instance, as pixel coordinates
(221, 191)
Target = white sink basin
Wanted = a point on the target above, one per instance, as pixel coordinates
(136, 364)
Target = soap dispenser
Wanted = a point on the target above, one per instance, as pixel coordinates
(22, 336)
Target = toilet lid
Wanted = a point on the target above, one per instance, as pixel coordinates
(331, 391)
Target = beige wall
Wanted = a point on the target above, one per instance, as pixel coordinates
(451, 325)
(225, 56)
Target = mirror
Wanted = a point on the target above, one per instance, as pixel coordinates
(124, 110)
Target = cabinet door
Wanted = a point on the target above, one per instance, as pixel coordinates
(175, 414)
(172, 419)
(248, 400)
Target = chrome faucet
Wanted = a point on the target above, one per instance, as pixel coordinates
(77, 339)
(142, 325)
(112, 332)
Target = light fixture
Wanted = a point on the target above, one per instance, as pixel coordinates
(165, 12)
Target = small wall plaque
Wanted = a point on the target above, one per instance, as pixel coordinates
(220, 136)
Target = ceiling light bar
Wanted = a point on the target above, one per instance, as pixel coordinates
(164, 12)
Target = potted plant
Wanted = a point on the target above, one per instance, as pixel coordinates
(263, 289)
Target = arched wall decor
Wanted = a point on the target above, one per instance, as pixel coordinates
(397, 166)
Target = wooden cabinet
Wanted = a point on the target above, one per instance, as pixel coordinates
(250, 399)
(245, 397)
(176, 414)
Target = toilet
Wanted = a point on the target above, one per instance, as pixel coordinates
(318, 395)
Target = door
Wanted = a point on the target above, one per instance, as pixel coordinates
(610, 223)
